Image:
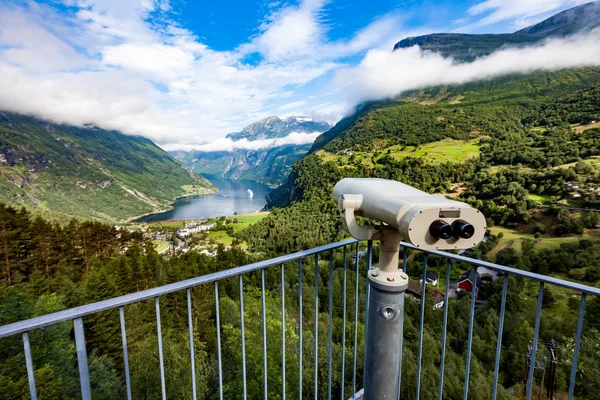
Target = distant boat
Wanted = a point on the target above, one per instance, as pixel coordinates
(250, 193)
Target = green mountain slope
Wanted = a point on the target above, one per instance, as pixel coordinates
(490, 142)
(87, 172)
(269, 166)
(465, 47)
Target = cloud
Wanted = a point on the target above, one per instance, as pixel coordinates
(523, 13)
(293, 104)
(387, 74)
(129, 66)
(226, 144)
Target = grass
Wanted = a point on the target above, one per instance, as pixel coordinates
(169, 224)
(220, 237)
(513, 239)
(582, 128)
(161, 246)
(591, 160)
(540, 198)
(447, 150)
(244, 221)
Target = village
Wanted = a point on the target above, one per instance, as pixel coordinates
(465, 284)
(203, 235)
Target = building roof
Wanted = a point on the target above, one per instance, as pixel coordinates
(414, 288)
(431, 276)
(470, 276)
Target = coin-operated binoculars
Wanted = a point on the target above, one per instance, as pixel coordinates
(424, 220)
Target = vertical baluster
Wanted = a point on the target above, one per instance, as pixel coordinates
(241, 284)
(499, 344)
(404, 260)
(300, 329)
(535, 340)
(218, 323)
(160, 349)
(191, 334)
(445, 330)
(29, 364)
(264, 332)
(283, 331)
(330, 355)
(82, 361)
(356, 275)
(344, 326)
(316, 350)
(420, 356)
(577, 343)
(368, 291)
(125, 352)
(470, 338)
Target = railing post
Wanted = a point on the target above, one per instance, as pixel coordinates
(385, 322)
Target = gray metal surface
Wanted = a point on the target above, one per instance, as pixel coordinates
(125, 352)
(191, 334)
(316, 347)
(536, 333)
(421, 322)
(243, 328)
(386, 318)
(330, 344)
(160, 350)
(343, 327)
(82, 361)
(283, 331)
(577, 343)
(444, 331)
(300, 348)
(499, 341)
(371, 335)
(470, 339)
(218, 326)
(29, 364)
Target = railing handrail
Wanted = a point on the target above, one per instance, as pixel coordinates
(104, 305)
(512, 271)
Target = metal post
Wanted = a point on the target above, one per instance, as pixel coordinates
(385, 320)
(84, 373)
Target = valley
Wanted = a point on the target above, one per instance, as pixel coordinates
(62, 171)
(88, 214)
(264, 156)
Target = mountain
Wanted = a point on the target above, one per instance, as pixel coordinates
(499, 144)
(466, 47)
(86, 171)
(274, 127)
(269, 165)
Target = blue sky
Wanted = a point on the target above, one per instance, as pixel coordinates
(185, 72)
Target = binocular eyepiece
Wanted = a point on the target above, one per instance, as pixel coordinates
(427, 221)
(440, 229)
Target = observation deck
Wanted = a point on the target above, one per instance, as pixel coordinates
(292, 363)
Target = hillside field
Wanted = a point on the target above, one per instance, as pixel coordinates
(447, 150)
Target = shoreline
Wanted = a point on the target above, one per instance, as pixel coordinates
(132, 220)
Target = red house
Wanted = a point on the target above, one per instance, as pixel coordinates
(466, 282)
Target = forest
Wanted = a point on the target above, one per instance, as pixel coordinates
(527, 147)
(51, 267)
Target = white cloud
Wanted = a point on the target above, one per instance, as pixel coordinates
(126, 65)
(226, 144)
(517, 10)
(383, 74)
(294, 104)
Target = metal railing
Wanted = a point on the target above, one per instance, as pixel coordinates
(77, 314)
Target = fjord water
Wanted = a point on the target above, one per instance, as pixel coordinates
(232, 197)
